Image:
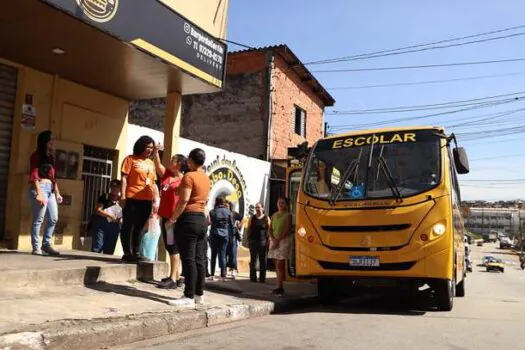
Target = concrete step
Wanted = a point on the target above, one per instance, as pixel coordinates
(72, 268)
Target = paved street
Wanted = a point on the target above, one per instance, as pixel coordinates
(492, 316)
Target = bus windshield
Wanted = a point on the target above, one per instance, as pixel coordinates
(373, 166)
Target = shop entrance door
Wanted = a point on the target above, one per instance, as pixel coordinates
(8, 86)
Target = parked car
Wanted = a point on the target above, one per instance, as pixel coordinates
(486, 259)
(496, 265)
(505, 243)
(480, 244)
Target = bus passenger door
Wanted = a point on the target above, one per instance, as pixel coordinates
(293, 183)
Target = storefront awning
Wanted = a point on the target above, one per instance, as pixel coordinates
(132, 49)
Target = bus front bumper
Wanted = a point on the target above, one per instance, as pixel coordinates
(411, 261)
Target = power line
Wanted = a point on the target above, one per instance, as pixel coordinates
(419, 45)
(492, 180)
(488, 104)
(476, 142)
(458, 119)
(500, 157)
(425, 49)
(500, 115)
(449, 104)
(237, 43)
(418, 67)
(428, 82)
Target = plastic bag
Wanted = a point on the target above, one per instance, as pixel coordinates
(150, 240)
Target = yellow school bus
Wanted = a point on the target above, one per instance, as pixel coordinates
(381, 208)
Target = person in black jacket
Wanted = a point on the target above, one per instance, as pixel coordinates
(257, 236)
(233, 241)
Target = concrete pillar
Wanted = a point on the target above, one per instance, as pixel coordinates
(171, 141)
(172, 125)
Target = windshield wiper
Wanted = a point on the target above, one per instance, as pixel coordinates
(389, 178)
(336, 191)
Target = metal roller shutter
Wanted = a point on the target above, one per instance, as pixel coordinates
(8, 82)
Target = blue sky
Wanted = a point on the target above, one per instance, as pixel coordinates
(317, 30)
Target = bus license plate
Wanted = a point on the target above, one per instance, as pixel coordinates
(364, 261)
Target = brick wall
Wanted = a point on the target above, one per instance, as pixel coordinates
(232, 119)
(288, 93)
(148, 113)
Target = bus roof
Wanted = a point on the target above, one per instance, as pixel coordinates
(382, 130)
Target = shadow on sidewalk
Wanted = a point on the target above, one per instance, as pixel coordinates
(127, 291)
(93, 257)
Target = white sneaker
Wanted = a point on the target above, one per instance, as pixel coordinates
(199, 299)
(234, 275)
(182, 302)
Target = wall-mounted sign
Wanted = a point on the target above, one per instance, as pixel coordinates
(61, 164)
(28, 120)
(72, 165)
(156, 29)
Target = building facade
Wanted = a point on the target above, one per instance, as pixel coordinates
(505, 220)
(73, 67)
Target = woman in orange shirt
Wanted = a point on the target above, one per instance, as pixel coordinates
(140, 195)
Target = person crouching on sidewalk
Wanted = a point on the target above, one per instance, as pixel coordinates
(106, 223)
(171, 176)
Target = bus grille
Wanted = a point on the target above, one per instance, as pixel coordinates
(327, 265)
(372, 228)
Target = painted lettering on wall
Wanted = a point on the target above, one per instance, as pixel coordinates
(227, 180)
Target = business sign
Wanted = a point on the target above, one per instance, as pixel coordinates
(156, 29)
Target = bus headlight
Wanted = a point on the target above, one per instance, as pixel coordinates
(301, 231)
(439, 229)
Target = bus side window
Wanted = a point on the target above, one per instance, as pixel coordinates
(454, 179)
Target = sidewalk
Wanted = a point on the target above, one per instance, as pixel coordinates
(115, 310)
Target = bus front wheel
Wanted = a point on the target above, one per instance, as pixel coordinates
(444, 292)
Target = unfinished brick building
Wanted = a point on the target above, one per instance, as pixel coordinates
(270, 102)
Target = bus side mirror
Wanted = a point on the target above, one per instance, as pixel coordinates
(461, 160)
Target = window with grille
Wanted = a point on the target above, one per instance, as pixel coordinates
(299, 121)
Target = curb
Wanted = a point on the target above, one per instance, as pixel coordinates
(107, 332)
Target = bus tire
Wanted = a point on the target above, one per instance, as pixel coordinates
(444, 294)
(460, 289)
(327, 291)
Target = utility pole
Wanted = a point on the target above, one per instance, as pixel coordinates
(520, 230)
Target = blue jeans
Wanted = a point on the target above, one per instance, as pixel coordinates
(218, 247)
(48, 211)
(104, 235)
(231, 253)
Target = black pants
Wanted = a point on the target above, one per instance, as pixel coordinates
(190, 235)
(134, 217)
(172, 249)
(257, 251)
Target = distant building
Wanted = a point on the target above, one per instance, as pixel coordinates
(484, 220)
